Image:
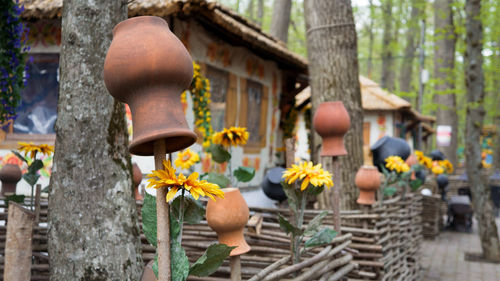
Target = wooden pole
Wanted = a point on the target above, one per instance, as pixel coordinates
(336, 172)
(235, 264)
(290, 160)
(38, 193)
(163, 217)
(18, 250)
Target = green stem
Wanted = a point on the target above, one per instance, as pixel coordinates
(181, 216)
(300, 221)
(229, 167)
(31, 204)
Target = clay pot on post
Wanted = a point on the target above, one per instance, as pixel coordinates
(10, 175)
(148, 68)
(136, 180)
(368, 181)
(331, 121)
(228, 217)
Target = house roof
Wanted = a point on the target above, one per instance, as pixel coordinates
(213, 15)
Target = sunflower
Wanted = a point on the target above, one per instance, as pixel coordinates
(420, 155)
(427, 162)
(396, 163)
(233, 136)
(308, 173)
(447, 165)
(33, 149)
(197, 188)
(186, 159)
(437, 170)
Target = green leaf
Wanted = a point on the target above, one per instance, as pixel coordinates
(286, 226)
(315, 190)
(291, 194)
(244, 174)
(219, 154)
(31, 178)
(389, 191)
(415, 184)
(14, 198)
(46, 189)
(315, 223)
(179, 262)
(155, 266)
(218, 179)
(149, 218)
(19, 156)
(210, 260)
(35, 166)
(175, 228)
(193, 210)
(324, 236)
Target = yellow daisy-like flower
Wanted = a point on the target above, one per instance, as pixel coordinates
(309, 174)
(427, 162)
(197, 188)
(396, 163)
(186, 159)
(447, 165)
(233, 136)
(437, 170)
(33, 149)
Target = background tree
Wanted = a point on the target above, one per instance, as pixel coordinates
(333, 75)
(387, 79)
(412, 40)
(280, 20)
(93, 233)
(444, 65)
(474, 81)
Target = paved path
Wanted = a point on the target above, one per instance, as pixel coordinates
(443, 258)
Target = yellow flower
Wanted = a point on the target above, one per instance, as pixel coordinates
(447, 165)
(419, 154)
(485, 165)
(33, 149)
(396, 163)
(233, 136)
(186, 159)
(308, 173)
(165, 177)
(427, 162)
(437, 170)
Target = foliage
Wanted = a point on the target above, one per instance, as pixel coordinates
(183, 209)
(13, 48)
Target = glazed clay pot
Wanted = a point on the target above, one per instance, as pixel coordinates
(368, 181)
(148, 68)
(271, 185)
(10, 175)
(136, 180)
(228, 217)
(389, 146)
(331, 121)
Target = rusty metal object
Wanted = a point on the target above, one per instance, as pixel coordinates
(148, 68)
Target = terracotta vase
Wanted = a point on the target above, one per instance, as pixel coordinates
(368, 181)
(228, 217)
(10, 175)
(148, 68)
(136, 179)
(331, 121)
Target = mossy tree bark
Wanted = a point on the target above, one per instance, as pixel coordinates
(93, 224)
(444, 67)
(280, 20)
(412, 39)
(474, 82)
(387, 79)
(333, 76)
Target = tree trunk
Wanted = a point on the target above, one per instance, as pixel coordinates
(474, 82)
(496, 77)
(250, 10)
(406, 71)
(387, 79)
(281, 19)
(333, 75)
(370, 40)
(93, 233)
(260, 12)
(444, 65)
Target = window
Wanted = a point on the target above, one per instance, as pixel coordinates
(219, 82)
(38, 110)
(253, 113)
(254, 103)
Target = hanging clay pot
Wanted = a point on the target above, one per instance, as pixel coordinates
(136, 180)
(389, 146)
(368, 181)
(148, 68)
(331, 121)
(10, 175)
(228, 217)
(271, 185)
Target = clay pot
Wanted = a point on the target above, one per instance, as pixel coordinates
(331, 121)
(148, 68)
(136, 180)
(10, 175)
(389, 146)
(368, 181)
(271, 185)
(411, 160)
(228, 217)
(437, 154)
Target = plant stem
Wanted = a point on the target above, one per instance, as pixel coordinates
(181, 216)
(229, 167)
(299, 222)
(31, 204)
